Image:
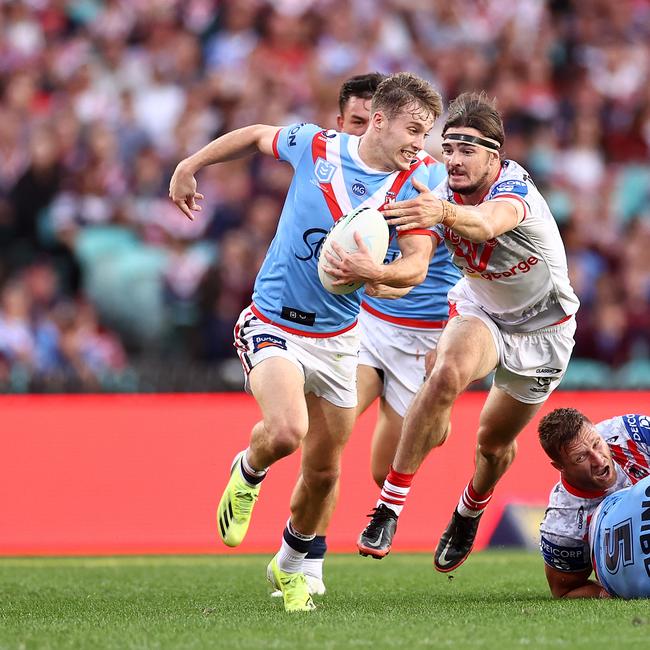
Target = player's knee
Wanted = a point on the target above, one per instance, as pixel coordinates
(497, 453)
(445, 384)
(321, 480)
(285, 436)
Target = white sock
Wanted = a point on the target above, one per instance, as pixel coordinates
(313, 567)
(290, 559)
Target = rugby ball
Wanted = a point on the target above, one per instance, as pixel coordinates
(372, 227)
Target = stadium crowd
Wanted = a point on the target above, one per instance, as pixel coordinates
(99, 101)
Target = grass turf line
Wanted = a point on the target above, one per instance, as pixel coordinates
(496, 600)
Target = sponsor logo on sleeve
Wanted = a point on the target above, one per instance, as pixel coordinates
(510, 186)
(638, 426)
(291, 136)
(564, 558)
(263, 341)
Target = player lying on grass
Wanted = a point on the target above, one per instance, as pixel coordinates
(598, 516)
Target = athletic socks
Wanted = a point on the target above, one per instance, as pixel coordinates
(250, 475)
(395, 489)
(471, 503)
(294, 549)
(313, 563)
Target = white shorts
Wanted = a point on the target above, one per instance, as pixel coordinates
(531, 364)
(399, 353)
(328, 364)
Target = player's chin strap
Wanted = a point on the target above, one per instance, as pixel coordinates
(486, 143)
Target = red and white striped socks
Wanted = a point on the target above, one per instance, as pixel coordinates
(471, 503)
(395, 489)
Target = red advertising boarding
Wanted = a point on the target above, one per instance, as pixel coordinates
(115, 474)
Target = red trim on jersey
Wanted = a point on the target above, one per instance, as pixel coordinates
(583, 494)
(291, 330)
(276, 153)
(428, 160)
(415, 231)
(513, 196)
(459, 199)
(319, 150)
(400, 179)
(406, 322)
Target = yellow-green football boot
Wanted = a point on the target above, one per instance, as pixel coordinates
(236, 506)
(293, 586)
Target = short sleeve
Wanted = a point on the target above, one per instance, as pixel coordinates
(291, 141)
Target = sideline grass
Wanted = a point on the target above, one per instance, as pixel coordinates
(497, 600)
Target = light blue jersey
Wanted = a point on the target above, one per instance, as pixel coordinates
(425, 306)
(620, 542)
(330, 180)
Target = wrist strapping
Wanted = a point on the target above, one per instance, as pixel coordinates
(449, 214)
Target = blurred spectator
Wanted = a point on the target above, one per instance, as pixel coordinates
(98, 101)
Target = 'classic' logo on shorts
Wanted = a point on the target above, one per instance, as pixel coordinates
(262, 341)
(543, 384)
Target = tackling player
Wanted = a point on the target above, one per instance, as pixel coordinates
(512, 312)
(297, 342)
(598, 515)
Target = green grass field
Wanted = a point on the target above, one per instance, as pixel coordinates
(497, 600)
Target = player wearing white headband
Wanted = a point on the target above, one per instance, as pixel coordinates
(511, 312)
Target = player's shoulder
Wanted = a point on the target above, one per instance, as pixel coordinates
(629, 425)
(292, 134)
(512, 180)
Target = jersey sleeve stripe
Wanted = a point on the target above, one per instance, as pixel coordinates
(276, 152)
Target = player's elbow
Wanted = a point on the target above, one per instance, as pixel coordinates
(482, 233)
(420, 277)
(558, 592)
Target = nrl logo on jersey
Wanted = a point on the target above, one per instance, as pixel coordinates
(324, 170)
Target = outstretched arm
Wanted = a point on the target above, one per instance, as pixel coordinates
(182, 187)
(477, 223)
